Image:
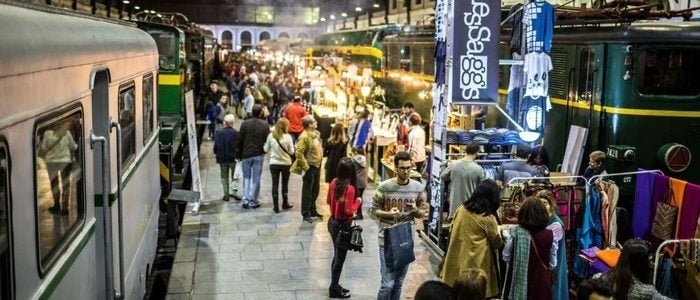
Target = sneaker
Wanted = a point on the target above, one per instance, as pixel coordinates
(308, 220)
(256, 205)
(225, 198)
(245, 205)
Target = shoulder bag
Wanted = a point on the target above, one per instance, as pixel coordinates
(665, 218)
(350, 239)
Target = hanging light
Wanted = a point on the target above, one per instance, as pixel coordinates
(358, 9)
(125, 1)
(332, 17)
(343, 14)
(376, 5)
(137, 7)
(323, 19)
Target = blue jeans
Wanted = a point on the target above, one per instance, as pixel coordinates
(392, 280)
(252, 170)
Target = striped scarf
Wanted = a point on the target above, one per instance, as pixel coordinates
(521, 257)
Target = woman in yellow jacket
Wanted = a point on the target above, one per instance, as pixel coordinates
(473, 237)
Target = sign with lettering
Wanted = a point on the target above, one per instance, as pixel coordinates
(475, 51)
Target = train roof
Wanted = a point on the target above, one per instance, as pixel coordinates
(33, 40)
(641, 31)
(644, 31)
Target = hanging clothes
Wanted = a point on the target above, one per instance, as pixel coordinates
(536, 66)
(677, 187)
(538, 20)
(590, 232)
(516, 35)
(560, 288)
(642, 212)
(690, 213)
(667, 283)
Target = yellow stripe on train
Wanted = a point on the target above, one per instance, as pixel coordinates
(170, 79)
(624, 111)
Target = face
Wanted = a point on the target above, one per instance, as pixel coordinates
(537, 160)
(403, 169)
(407, 110)
(546, 204)
(313, 125)
(593, 164)
(214, 87)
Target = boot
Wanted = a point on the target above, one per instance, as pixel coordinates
(285, 202)
(275, 203)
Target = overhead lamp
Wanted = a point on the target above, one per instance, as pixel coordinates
(376, 5)
(137, 7)
(358, 9)
(343, 14)
(323, 19)
(332, 17)
(125, 1)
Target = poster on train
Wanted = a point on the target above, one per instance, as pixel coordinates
(194, 155)
(474, 51)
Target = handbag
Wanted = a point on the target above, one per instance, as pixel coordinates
(398, 246)
(350, 239)
(665, 218)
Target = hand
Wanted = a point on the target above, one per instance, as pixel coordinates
(359, 199)
(394, 212)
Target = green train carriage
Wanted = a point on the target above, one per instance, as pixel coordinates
(633, 87)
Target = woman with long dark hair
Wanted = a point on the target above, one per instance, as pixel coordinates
(343, 202)
(531, 253)
(628, 278)
(473, 236)
(335, 149)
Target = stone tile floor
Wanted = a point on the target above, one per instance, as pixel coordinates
(227, 252)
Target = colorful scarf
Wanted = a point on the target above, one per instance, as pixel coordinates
(521, 257)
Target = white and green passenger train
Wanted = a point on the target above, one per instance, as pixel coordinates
(79, 167)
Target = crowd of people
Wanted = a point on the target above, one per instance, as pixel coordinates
(534, 249)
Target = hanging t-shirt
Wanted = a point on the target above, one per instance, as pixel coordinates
(516, 35)
(537, 66)
(538, 20)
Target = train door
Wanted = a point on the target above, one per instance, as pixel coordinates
(587, 92)
(6, 266)
(590, 89)
(100, 141)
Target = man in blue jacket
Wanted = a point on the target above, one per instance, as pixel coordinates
(225, 143)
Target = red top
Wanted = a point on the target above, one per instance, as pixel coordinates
(345, 210)
(294, 113)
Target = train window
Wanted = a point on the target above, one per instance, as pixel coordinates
(586, 75)
(148, 118)
(428, 60)
(668, 72)
(128, 124)
(405, 58)
(417, 59)
(167, 48)
(5, 240)
(60, 195)
(393, 57)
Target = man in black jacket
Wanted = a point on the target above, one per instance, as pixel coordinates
(254, 132)
(225, 143)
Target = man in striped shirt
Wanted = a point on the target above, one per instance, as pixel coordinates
(398, 199)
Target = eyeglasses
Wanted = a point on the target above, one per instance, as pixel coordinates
(405, 169)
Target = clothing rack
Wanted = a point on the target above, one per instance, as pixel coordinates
(510, 182)
(657, 255)
(591, 180)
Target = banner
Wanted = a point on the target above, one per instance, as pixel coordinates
(194, 155)
(474, 44)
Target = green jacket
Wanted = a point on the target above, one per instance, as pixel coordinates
(303, 150)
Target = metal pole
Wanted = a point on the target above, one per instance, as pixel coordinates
(120, 214)
(505, 114)
(109, 272)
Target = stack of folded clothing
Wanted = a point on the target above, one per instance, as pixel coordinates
(465, 136)
(600, 260)
(452, 137)
(511, 138)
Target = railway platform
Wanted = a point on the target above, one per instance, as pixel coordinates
(227, 252)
